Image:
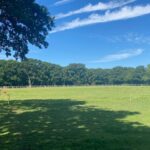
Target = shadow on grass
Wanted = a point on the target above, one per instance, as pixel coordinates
(68, 125)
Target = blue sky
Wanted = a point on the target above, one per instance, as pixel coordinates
(98, 33)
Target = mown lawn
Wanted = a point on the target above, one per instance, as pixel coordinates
(76, 118)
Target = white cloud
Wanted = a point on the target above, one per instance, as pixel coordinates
(123, 13)
(99, 6)
(136, 38)
(120, 56)
(61, 2)
(130, 37)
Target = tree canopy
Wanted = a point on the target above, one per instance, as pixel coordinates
(35, 72)
(23, 22)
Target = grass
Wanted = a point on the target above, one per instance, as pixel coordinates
(76, 118)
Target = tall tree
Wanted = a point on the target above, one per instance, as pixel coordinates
(23, 22)
(75, 74)
(138, 75)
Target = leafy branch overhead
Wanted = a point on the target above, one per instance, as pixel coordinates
(23, 22)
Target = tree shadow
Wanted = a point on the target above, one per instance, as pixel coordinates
(68, 125)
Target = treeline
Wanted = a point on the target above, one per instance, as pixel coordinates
(35, 72)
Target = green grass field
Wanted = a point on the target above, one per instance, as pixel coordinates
(76, 118)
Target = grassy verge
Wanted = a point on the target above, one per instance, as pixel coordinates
(76, 118)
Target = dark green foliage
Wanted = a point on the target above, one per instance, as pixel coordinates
(75, 74)
(35, 72)
(23, 22)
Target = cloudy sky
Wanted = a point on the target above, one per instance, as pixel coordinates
(98, 33)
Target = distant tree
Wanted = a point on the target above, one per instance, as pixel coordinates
(23, 22)
(35, 72)
(117, 75)
(11, 73)
(75, 74)
(98, 76)
(56, 74)
(128, 75)
(146, 77)
(138, 75)
(41, 73)
(2, 64)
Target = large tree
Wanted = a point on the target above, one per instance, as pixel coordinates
(23, 22)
